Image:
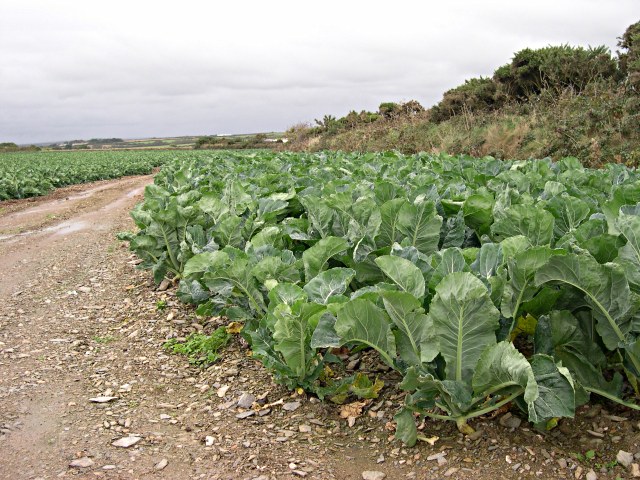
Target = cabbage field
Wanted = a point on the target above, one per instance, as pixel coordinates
(481, 282)
(29, 174)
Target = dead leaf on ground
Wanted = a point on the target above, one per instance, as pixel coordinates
(352, 409)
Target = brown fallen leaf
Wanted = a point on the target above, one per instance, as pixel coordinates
(352, 409)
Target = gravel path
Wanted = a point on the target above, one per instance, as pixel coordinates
(78, 322)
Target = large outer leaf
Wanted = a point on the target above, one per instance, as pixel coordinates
(477, 210)
(292, 334)
(629, 255)
(464, 321)
(211, 204)
(625, 194)
(415, 342)
(453, 231)
(502, 369)
(229, 231)
(406, 430)
(325, 335)
(605, 287)
(364, 224)
(420, 225)
(390, 216)
(522, 269)
(316, 257)
(556, 396)
(535, 224)
(569, 212)
(320, 214)
(446, 262)
(238, 273)
(204, 261)
(329, 283)
(488, 260)
(560, 336)
(360, 321)
(403, 273)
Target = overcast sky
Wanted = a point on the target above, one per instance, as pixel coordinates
(87, 69)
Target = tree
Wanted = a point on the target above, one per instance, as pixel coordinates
(630, 58)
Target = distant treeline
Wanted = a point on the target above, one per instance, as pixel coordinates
(236, 142)
(553, 101)
(12, 147)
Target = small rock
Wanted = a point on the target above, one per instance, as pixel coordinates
(102, 399)
(109, 467)
(246, 414)
(84, 462)
(624, 458)
(126, 442)
(291, 406)
(246, 400)
(509, 421)
(578, 473)
(451, 471)
(231, 372)
(635, 470)
(299, 473)
(562, 462)
(84, 289)
(615, 418)
(591, 475)
(164, 285)
(222, 391)
(208, 440)
(161, 464)
(475, 435)
(436, 456)
(304, 428)
(373, 475)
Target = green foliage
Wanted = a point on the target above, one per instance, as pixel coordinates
(435, 262)
(25, 175)
(555, 101)
(555, 68)
(202, 350)
(474, 95)
(630, 57)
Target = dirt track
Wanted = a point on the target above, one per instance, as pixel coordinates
(77, 321)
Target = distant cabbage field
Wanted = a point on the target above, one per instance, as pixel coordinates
(24, 175)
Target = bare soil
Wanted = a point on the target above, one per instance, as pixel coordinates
(78, 321)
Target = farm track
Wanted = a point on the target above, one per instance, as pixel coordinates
(77, 321)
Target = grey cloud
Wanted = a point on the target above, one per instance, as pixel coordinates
(78, 69)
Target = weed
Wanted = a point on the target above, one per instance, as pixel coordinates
(202, 350)
(161, 305)
(104, 340)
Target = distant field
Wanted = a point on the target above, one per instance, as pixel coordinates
(29, 174)
(245, 140)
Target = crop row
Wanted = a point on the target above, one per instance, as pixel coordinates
(31, 174)
(481, 282)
